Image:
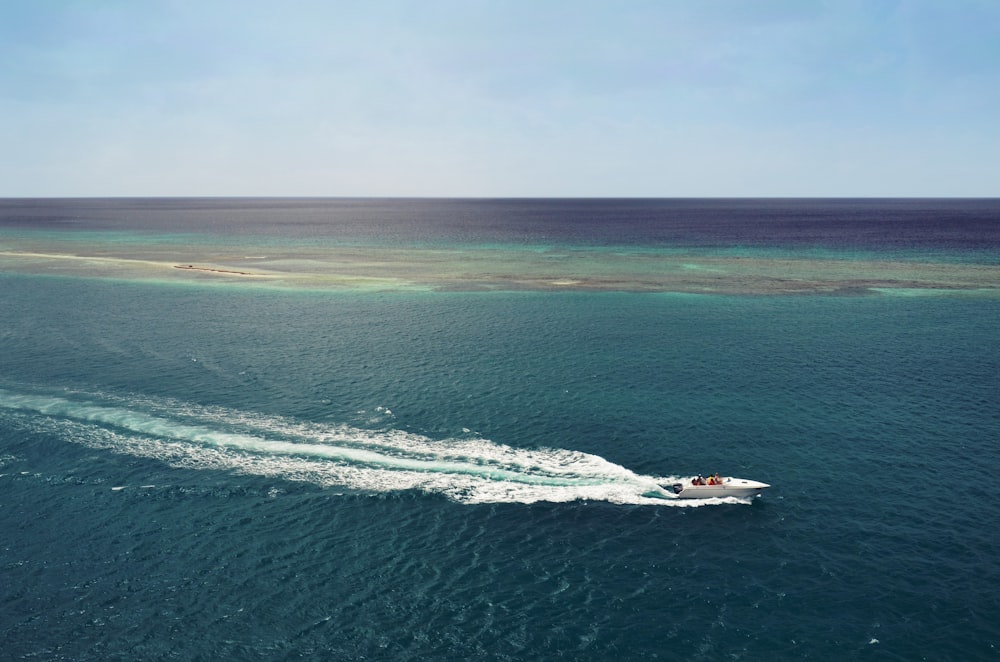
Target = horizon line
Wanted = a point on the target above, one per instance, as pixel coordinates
(500, 197)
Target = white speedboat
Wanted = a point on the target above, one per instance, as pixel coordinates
(727, 486)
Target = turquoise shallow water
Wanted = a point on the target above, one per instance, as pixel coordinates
(203, 472)
(692, 246)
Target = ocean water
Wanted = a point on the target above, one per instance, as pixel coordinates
(435, 429)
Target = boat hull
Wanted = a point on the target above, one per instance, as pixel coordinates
(740, 488)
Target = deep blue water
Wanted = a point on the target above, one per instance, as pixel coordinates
(863, 224)
(202, 472)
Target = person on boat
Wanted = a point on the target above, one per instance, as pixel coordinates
(718, 478)
(713, 480)
(698, 480)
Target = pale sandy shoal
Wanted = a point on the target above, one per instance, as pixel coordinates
(506, 270)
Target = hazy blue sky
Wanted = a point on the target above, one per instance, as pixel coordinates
(502, 98)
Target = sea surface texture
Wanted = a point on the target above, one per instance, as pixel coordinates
(270, 429)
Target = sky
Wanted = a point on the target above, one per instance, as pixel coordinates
(501, 98)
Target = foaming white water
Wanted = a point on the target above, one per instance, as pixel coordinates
(466, 470)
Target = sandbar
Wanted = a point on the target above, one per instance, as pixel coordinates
(511, 269)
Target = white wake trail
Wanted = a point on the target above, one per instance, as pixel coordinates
(465, 470)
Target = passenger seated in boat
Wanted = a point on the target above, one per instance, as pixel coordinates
(717, 478)
(711, 480)
(698, 480)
